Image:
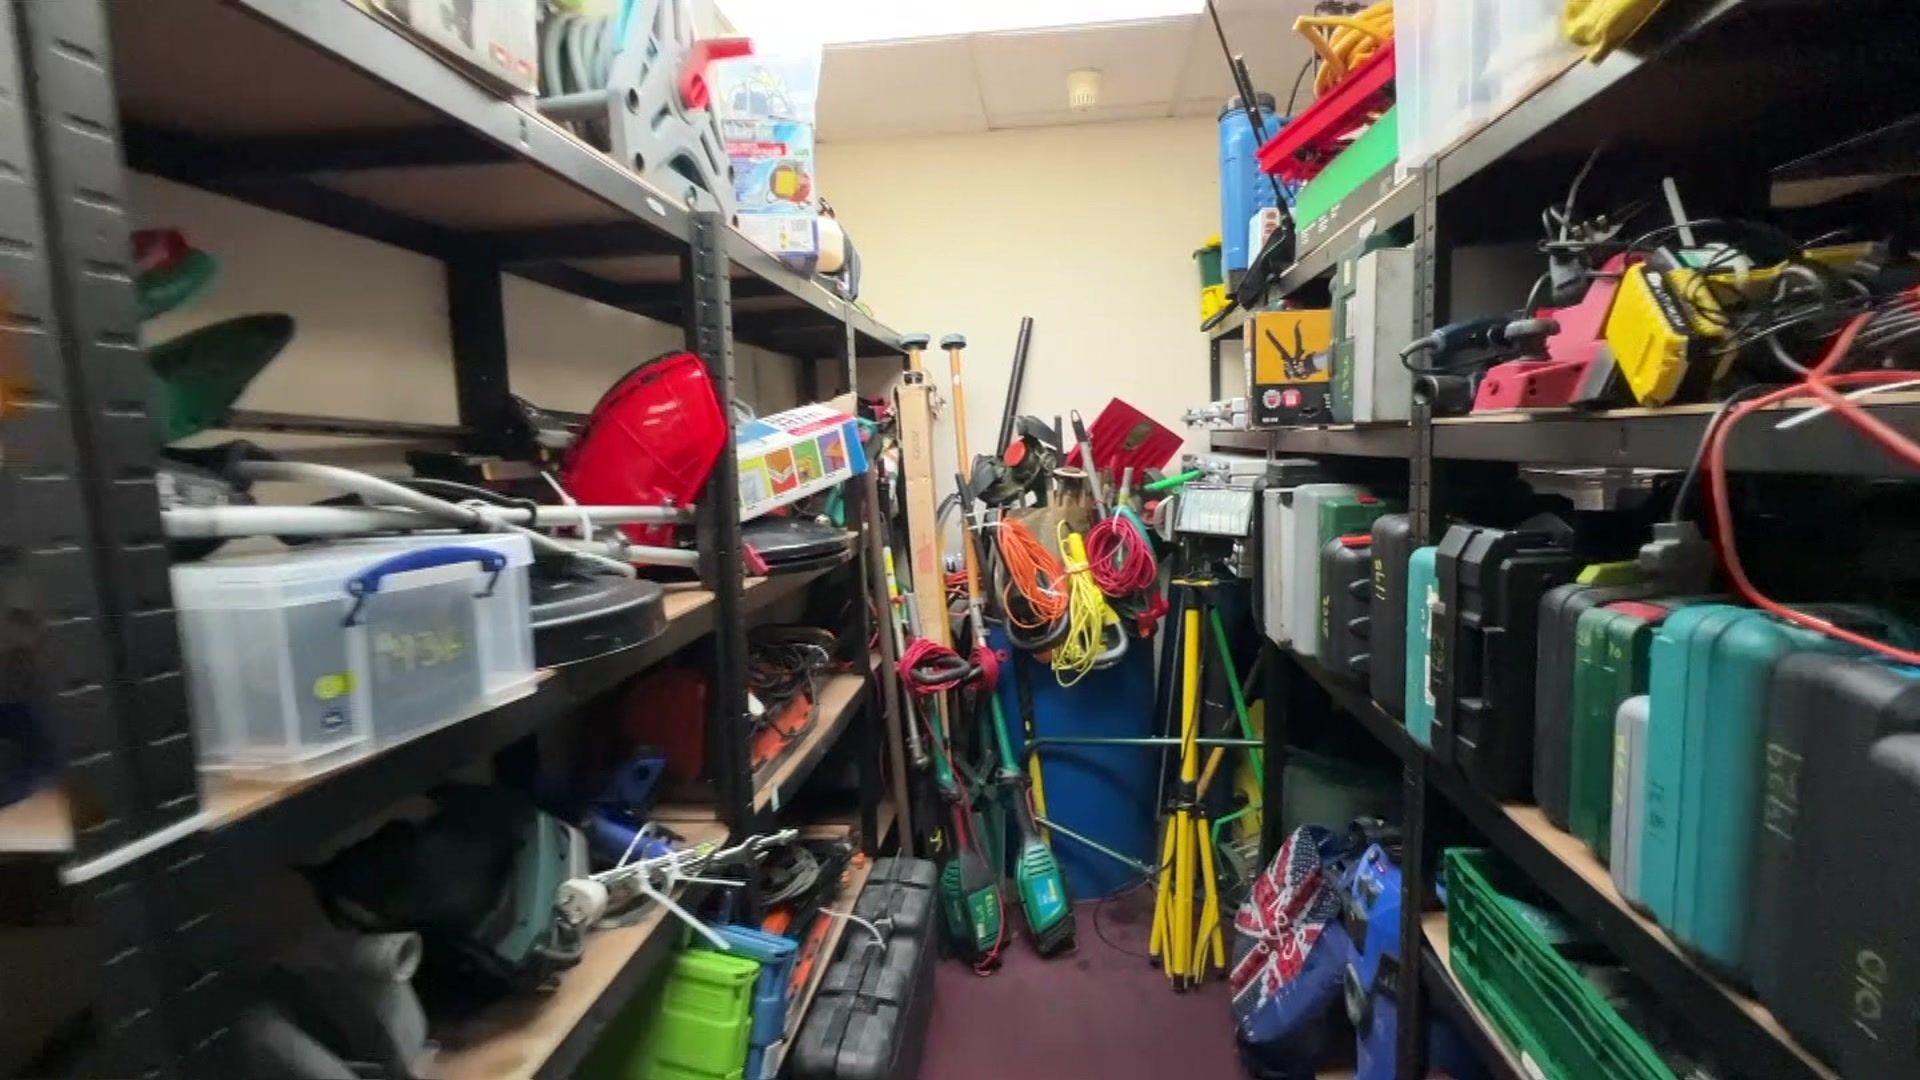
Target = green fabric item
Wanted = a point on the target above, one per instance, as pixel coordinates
(203, 372)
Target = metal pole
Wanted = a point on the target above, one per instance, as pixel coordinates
(1015, 380)
(710, 335)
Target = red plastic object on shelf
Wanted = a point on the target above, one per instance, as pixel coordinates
(652, 440)
(694, 91)
(1317, 135)
(1567, 374)
(1123, 437)
(667, 708)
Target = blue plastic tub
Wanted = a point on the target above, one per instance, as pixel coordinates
(1105, 793)
(776, 956)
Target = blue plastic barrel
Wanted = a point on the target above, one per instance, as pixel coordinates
(1244, 189)
(1105, 793)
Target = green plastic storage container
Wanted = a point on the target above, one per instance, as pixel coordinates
(695, 1028)
(1560, 1023)
(1610, 646)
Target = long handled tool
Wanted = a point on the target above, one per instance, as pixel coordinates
(1042, 888)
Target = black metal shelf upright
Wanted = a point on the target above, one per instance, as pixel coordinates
(323, 112)
(1694, 94)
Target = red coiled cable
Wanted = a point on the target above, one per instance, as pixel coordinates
(930, 668)
(1120, 558)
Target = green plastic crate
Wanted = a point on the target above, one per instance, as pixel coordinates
(695, 1028)
(1556, 1019)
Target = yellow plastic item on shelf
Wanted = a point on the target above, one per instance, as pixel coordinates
(1212, 299)
(1667, 334)
(1600, 26)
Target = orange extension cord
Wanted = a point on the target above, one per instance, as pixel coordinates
(1033, 571)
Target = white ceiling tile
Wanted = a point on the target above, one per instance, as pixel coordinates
(1024, 73)
(1099, 115)
(914, 87)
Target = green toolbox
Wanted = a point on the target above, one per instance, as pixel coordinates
(696, 1028)
(1517, 960)
(1560, 611)
(1610, 645)
(1373, 319)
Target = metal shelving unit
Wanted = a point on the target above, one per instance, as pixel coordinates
(321, 111)
(1687, 95)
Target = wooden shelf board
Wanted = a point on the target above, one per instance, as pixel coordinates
(1568, 849)
(515, 1037)
(38, 824)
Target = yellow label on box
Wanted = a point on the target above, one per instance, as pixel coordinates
(1290, 346)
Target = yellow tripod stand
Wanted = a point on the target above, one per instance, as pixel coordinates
(1182, 948)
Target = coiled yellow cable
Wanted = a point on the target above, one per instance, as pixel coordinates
(1087, 613)
(1344, 42)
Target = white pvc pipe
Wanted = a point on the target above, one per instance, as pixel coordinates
(640, 553)
(371, 487)
(203, 522)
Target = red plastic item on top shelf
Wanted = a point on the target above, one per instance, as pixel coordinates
(1317, 135)
(652, 440)
(694, 91)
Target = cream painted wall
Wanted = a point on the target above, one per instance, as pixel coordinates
(1089, 229)
(372, 340)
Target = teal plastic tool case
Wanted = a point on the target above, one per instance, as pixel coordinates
(869, 1019)
(1423, 592)
(1482, 654)
(1709, 671)
(1833, 945)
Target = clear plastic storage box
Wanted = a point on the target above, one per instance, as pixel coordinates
(299, 660)
(1458, 63)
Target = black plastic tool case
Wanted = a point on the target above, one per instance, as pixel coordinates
(1346, 595)
(1832, 946)
(869, 1018)
(1560, 611)
(1387, 669)
(1484, 648)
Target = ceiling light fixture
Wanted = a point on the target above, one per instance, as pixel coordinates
(1083, 89)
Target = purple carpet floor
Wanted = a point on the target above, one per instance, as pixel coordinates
(1099, 1011)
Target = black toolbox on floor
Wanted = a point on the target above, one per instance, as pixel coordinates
(1483, 646)
(869, 1018)
(1832, 946)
